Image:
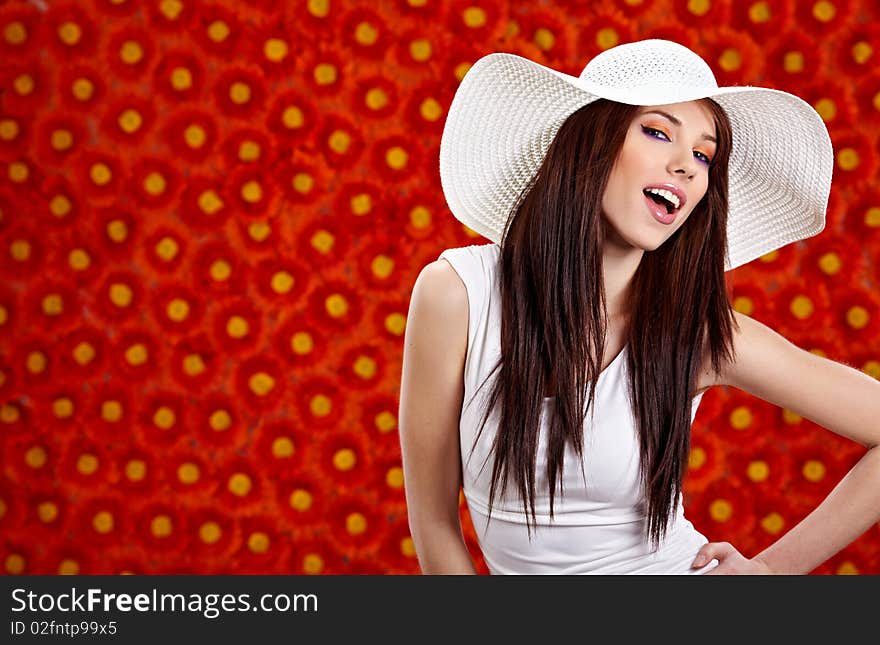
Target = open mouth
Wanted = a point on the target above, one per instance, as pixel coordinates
(662, 201)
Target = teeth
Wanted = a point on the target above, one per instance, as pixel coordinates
(665, 194)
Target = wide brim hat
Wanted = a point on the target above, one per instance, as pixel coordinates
(507, 110)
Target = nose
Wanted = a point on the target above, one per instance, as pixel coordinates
(683, 163)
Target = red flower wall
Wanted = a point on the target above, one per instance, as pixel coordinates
(211, 218)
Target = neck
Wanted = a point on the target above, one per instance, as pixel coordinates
(619, 264)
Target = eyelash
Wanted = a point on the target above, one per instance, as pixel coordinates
(646, 129)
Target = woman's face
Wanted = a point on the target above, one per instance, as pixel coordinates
(670, 152)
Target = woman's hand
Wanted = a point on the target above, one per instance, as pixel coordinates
(730, 561)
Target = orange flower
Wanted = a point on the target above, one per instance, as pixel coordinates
(264, 549)
(750, 298)
(855, 159)
(129, 119)
(302, 182)
(191, 135)
(252, 190)
(176, 307)
(130, 52)
(723, 511)
(340, 142)
(706, 461)
(433, 53)
(832, 259)
(764, 19)
(136, 472)
(240, 91)
(115, 229)
(318, 402)
(477, 20)
(217, 29)
(190, 475)
(776, 512)
(856, 314)
(801, 306)
(603, 29)
(161, 527)
(241, 486)
(204, 204)
(213, 535)
(52, 304)
(69, 30)
(249, 147)
(179, 76)
(103, 520)
(365, 32)
(56, 137)
(110, 410)
(260, 383)
(335, 304)
(33, 359)
(154, 182)
(26, 86)
(301, 497)
(237, 327)
(301, 342)
(824, 19)
(279, 280)
(862, 219)
(84, 465)
(314, 556)
(743, 419)
(161, 419)
(292, 117)
(733, 56)
(99, 175)
(171, 18)
(22, 26)
(121, 296)
(81, 88)
(165, 249)
(794, 60)
(218, 422)
(550, 30)
(195, 362)
(219, 270)
(700, 16)
(81, 353)
(374, 97)
(762, 465)
(137, 354)
(356, 528)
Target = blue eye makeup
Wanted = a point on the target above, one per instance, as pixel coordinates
(648, 131)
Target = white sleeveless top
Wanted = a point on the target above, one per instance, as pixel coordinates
(597, 529)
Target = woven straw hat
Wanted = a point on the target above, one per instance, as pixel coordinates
(508, 109)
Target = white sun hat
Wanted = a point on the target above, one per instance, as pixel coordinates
(507, 110)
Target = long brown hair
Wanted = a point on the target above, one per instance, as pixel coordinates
(554, 314)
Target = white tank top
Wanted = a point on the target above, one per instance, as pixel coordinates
(597, 529)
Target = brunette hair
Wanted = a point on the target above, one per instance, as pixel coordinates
(554, 314)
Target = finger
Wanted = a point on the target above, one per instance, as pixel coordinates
(717, 550)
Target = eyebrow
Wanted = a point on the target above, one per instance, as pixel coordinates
(677, 122)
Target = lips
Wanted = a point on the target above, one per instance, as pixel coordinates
(678, 192)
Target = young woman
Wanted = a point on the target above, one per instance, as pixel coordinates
(554, 373)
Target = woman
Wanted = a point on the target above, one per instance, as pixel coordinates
(615, 202)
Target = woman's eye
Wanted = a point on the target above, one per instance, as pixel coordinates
(650, 131)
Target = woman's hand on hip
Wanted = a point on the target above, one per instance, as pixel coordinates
(730, 561)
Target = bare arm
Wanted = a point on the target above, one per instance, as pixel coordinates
(835, 396)
(431, 393)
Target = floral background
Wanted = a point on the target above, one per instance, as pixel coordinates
(211, 218)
